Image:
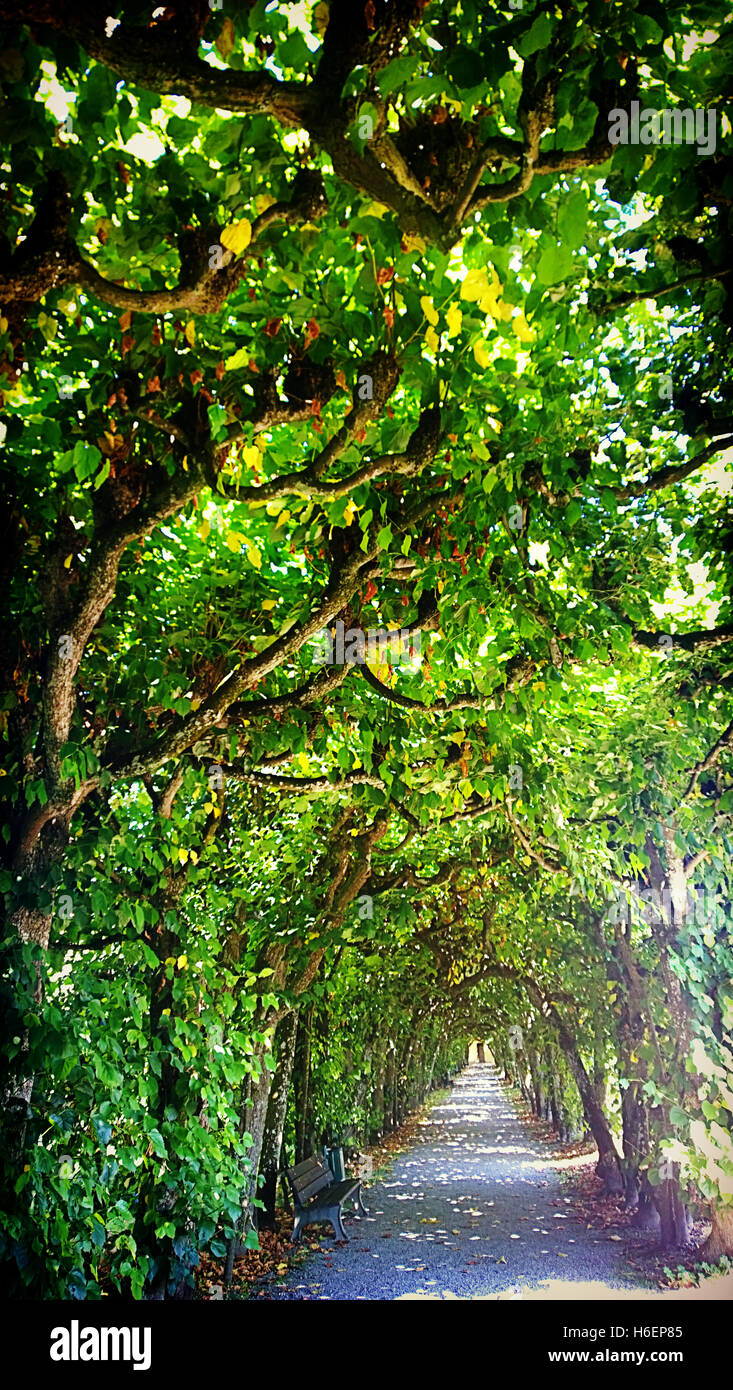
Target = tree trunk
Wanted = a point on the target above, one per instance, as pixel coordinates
(646, 1216)
(720, 1240)
(553, 1090)
(301, 1081)
(389, 1069)
(276, 1112)
(608, 1167)
(377, 1129)
(536, 1074)
(673, 1214)
(252, 1122)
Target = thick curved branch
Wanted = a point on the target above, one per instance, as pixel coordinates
(701, 640)
(671, 473)
(73, 627)
(550, 865)
(622, 301)
(297, 785)
(710, 760)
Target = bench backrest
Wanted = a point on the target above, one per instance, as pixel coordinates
(308, 1178)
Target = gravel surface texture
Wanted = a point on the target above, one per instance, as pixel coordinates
(474, 1209)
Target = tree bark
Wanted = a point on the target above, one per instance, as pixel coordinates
(276, 1113)
(538, 1099)
(608, 1167)
(673, 1214)
(252, 1122)
(720, 1240)
(377, 1123)
(301, 1081)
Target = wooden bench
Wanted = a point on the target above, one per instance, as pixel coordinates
(318, 1197)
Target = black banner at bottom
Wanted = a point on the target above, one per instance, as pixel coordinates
(115, 1340)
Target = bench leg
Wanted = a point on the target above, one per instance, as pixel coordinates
(297, 1227)
(360, 1203)
(338, 1226)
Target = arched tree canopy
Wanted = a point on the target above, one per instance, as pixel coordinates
(366, 438)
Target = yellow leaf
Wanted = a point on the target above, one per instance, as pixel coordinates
(238, 359)
(3, 325)
(476, 288)
(182, 962)
(189, 333)
(268, 604)
(488, 304)
(225, 42)
(251, 456)
(234, 540)
(303, 762)
(432, 341)
(68, 561)
(350, 511)
(375, 210)
(204, 530)
(263, 201)
(454, 319)
(429, 310)
(415, 243)
(237, 236)
(183, 855)
(481, 353)
(521, 328)
(254, 556)
(320, 17)
(473, 284)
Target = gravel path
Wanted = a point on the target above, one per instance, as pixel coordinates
(474, 1209)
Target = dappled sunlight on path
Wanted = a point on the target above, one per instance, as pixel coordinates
(474, 1209)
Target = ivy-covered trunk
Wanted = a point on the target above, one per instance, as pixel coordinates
(304, 1139)
(377, 1104)
(538, 1098)
(252, 1122)
(272, 1138)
